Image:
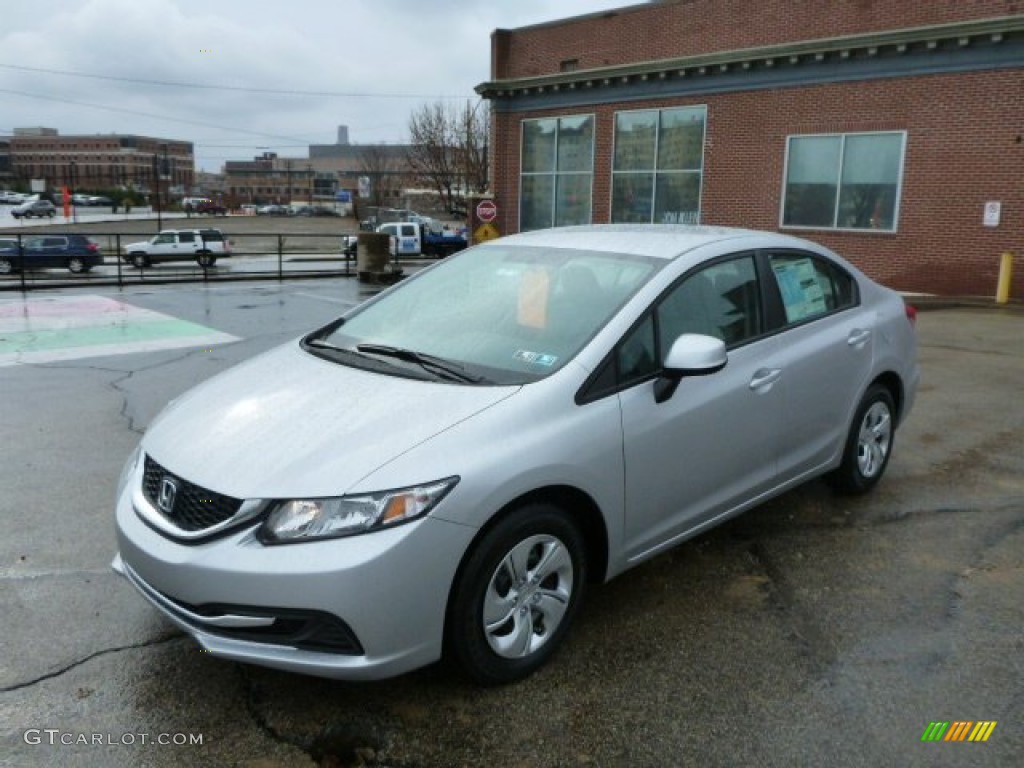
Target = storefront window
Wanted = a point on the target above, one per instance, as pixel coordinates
(658, 165)
(557, 172)
(844, 181)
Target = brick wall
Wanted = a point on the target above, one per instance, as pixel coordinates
(692, 27)
(965, 146)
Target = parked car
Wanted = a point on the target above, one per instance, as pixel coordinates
(77, 253)
(447, 466)
(203, 245)
(34, 208)
(209, 208)
(272, 210)
(11, 198)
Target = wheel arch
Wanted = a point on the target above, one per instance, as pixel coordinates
(894, 384)
(584, 512)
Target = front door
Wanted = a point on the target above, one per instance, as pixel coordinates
(712, 445)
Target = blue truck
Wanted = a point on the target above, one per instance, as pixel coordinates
(415, 239)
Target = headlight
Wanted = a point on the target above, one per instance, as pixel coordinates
(306, 519)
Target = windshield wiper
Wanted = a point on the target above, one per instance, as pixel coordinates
(438, 365)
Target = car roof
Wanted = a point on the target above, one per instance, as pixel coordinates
(663, 241)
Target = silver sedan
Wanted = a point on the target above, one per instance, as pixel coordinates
(444, 469)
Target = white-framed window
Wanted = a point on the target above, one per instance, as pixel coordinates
(557, 172)
(658, 165)
(843, 181)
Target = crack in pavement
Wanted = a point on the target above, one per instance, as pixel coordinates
(105, 652)
(252, 708)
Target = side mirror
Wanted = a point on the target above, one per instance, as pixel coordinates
(691, 354)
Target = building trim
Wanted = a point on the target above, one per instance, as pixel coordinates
(967, 46)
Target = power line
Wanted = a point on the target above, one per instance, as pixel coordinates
(293, 141)
(237, 88)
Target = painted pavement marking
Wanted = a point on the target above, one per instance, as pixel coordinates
(73, 327)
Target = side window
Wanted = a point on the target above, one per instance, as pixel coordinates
(721, 300)
(186, 237)
(408, 230)
(164, 239)
(810, 286)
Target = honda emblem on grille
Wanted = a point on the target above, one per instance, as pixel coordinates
(168, 491)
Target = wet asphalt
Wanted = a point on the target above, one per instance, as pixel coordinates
(815, 630)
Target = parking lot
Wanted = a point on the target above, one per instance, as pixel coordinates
(814, 630)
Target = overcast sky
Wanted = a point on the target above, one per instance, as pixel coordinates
(366, 64)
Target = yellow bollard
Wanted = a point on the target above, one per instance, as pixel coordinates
(1005, 276)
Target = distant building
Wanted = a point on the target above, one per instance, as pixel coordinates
(101, 161)
(890, 131)
(272, 179)
(328, 169)
(6, 175)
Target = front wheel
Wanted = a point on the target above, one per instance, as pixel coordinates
(140, 260)
(517, 594)
(868, 444)
(206, 259)
(6, 267)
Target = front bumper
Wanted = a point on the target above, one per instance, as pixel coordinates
(360, 608)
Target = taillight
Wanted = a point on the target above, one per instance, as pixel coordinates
(91, 247)
(911, 311)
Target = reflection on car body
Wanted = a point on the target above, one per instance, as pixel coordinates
(446, 467)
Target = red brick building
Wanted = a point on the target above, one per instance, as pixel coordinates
(98, 162)
(890, 131)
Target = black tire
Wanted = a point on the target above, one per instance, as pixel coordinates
(51, 214)
(139, 260)
(76, 265)
(6, 266)
(868, 444)
(541, 600)
(205, 259)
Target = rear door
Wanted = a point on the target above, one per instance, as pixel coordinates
(826, 348)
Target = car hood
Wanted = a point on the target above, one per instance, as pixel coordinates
(289, 424)
(137, 244)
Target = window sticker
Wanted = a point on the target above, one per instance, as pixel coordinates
(801, 291)
(535, 358)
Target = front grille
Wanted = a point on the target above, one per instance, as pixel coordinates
(192, 508)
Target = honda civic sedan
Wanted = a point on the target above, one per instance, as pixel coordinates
(443, 470)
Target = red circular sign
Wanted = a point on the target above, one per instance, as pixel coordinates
(486, 211)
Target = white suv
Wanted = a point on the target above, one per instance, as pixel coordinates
(203, 245)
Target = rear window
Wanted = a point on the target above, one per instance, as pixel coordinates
(211, 234)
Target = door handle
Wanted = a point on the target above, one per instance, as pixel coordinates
(765, 377)
(858, 337)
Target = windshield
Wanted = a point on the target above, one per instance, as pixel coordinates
(505, 314)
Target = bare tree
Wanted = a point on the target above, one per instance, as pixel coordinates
(448, 148)
(383, 166)
(474, 131)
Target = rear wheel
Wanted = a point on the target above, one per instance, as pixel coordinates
(76, 265)
(868, 444)
(206, 259)
(6, 267)
(517, 594)
(140, 260)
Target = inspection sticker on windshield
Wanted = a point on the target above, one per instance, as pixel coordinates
(535, 358)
